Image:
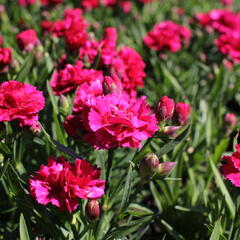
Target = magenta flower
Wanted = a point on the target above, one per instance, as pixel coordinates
(167, 35)
(51, 3)
(116, 120)
(220, 20)
(231, 167)
(61, 183)
(128, 66)
(71, 77)
(27, 40)
(21, 102)
(228, 44)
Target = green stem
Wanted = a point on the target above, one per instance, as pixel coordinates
(109, 168)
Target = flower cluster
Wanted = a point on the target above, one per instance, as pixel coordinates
(167, 35)
(72, 28)
(125, 66)
(125, 5)
(62, 184)
(226, 23)
(21, 102)
(50, 3)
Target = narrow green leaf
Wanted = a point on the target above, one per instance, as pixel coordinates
(156, 196)
(4, 149)
(4, 168)
(52, 98)
(169, 77)
(24, 235)
(24, 72)
(216, 231)
(138, 210)
(127, 187)
(222, 187)
(171, 231)
(128, 228)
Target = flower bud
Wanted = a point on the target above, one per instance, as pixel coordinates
(64, 104)
(166, 167)
(171, 131)
(35, 128)
(164, 109)
(93, 210)
(230, 120)
(111, 85)
(149, 165)
(181, 113)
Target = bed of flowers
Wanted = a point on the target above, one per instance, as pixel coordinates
(119, 119)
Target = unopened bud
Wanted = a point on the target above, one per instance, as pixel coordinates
(230, 120)
(64, 105)
(166, 167)
(181, 113)
(93, 210)
(164, 109)
(171, 131)
(35, 128)
(149, 165)
(111, 85)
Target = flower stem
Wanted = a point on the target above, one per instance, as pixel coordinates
(109, 168)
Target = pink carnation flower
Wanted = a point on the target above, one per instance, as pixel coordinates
(167, 35)
(228, 44)
(5, 58)
(89, 4)
(89, 51)
(116, 120)
(66, 79)
(221, 20)
(21, 102)
(86, 92)
(128, 66)
(24, 3)
(71, 77)
(27, 40)
(109, 44)
(61, 183)
(231, 167)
